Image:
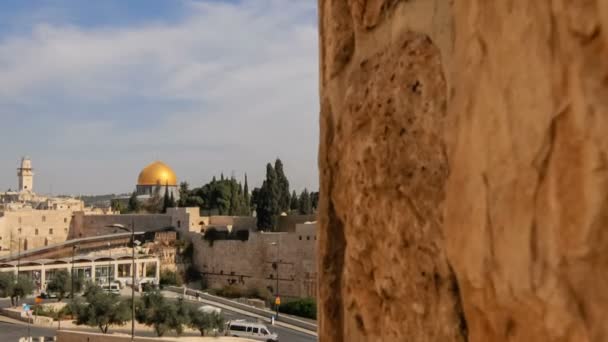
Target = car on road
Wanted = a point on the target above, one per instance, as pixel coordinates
(250, 330)
(210, 309)
(112, 288)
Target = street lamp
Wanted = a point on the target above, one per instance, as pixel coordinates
(74, 248)
(109, 265)
(132, 230)
(276, 303)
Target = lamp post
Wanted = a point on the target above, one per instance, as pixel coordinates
(109, 266)
(72, 277)
(276, 303)
(132, 230)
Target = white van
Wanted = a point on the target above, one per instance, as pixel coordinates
(210, 309)
(113, 288)
(250, 330)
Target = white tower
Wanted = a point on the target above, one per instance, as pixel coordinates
(26, 175)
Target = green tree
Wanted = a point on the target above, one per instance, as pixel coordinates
(133, 206)
(101, 309)
(282, 187)
(166, 199)
(267, 206)
(294, 205)
(314, 200)
(22, 288)
(181, 319)
(204, 321)
(262, 207)
(61, 284)
(154, 310)
(247, 197)
(234, 198)
(116, 205)
(184, 194)
(7, 284)
(305, 205)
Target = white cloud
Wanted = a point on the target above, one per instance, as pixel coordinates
(237, 82)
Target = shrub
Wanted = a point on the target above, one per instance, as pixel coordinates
(231, 291)
(306, 307)
(259, 293)
(168, 277)
(192, 274)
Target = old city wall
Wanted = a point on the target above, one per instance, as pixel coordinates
(92, 225)
(249, 263)
(33, 229)
(473, 134)
(237, 222)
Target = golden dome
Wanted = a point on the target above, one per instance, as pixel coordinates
(157, 173)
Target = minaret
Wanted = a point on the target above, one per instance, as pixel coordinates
(26, 175)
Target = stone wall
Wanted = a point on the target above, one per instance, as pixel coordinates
(237, 222)
(92, 225)
(33, 229)
(463, 170)
(527, 197)
(384, 274)
(249, 263)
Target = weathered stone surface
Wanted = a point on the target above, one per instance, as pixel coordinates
(383, 269)
(510, 188)
(527, 204)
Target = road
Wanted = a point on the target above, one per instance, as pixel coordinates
(11, 330)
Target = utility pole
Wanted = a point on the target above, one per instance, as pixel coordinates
(133, 280)
(72, 277)
(109, 266)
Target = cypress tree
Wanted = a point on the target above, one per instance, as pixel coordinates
(166, 199)
(282, 186)
(294, 201)
(247, 197)
(305, 205)
(133, 206)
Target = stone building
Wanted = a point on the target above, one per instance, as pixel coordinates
(29, 228)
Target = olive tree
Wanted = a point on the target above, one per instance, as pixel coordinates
(101, 309)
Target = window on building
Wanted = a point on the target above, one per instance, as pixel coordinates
(179, 224)
(50, 231)
(300, 237)
(43, 218)
(308, 238)
(19, 230)
(65, 220)
(36, 231)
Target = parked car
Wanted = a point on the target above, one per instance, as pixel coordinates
(250, 330)
(210, 309)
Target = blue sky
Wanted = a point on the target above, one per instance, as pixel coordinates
(95, 90)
